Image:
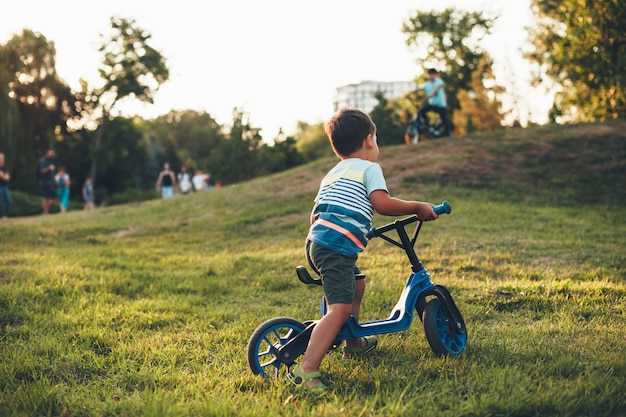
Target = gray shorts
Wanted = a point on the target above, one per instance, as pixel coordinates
(338, 272)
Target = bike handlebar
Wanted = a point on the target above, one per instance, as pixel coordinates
(443, 208)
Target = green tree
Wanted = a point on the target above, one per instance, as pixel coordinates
(123, 157)
(388, 117)
(449, 41)
(36, 104)
(186, 137)
(280, 156)
(131, 69)
(480, 106)
(582, 46)
(235, 159)
(311, 141)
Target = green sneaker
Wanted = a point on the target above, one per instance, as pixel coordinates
(365, 346)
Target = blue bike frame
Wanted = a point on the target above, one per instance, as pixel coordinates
(401, 316)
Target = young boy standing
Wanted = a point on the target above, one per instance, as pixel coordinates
(343, 212)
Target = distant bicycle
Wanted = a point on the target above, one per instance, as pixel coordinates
(433, 128)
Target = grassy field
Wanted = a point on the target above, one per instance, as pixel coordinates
(146, 309)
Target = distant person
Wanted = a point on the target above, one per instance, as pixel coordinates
(435, 101)
(88, 195)
(5, 196)
(166, 182)
(184, 181)
(200, 181)
(62, 181)
(45, 178)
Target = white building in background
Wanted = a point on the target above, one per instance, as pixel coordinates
(361, 95)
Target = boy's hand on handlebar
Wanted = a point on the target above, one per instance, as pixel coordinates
(425, 212)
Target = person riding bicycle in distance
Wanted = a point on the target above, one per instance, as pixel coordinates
(341, 217)
(435, 100)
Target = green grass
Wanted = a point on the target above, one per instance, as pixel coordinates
(146, 309)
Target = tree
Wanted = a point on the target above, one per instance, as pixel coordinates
(131, 69)
(235, 158)
(480, 106)
(186, 137)
(387, 115)
(582, 46)
(449, 41)
(311, 141)
(38, 104)
(278, 157)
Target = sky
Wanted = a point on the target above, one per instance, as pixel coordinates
(280, 61)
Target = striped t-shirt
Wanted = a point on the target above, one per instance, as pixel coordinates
(343, 212)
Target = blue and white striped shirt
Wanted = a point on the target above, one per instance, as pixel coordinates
(343, 212)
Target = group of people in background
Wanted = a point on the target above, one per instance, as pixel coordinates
(168, 183)
(56, 184)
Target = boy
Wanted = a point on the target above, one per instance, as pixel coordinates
(436, 100)
(342, 215)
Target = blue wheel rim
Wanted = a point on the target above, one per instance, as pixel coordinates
(453, 342)
(267, 346)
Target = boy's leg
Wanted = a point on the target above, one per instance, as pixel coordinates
(337, 272)
(356, 306)
(443, 114)
(323, 336)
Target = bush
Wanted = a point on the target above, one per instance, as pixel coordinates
(25, 204)
(130, 196)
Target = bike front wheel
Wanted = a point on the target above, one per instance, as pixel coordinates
(411, 134)
(442, 340)
(264, 344)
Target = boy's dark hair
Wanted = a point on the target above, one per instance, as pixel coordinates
(347, 129)
(432, 71)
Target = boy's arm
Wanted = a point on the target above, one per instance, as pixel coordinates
(390, 206)
(432, 93)
(417, 90)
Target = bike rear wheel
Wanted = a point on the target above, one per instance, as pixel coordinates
(264, 343)
(442, 340)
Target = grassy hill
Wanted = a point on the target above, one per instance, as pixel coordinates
(146, 309)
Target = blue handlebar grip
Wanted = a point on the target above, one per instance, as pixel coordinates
(443, 208)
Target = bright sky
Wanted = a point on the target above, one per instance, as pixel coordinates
(279, 60)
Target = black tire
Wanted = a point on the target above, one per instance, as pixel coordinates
(264, 343)
(441, 339)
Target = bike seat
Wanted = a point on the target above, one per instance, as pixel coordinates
(305, 277)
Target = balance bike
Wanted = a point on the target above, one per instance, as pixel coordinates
(276, 344)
